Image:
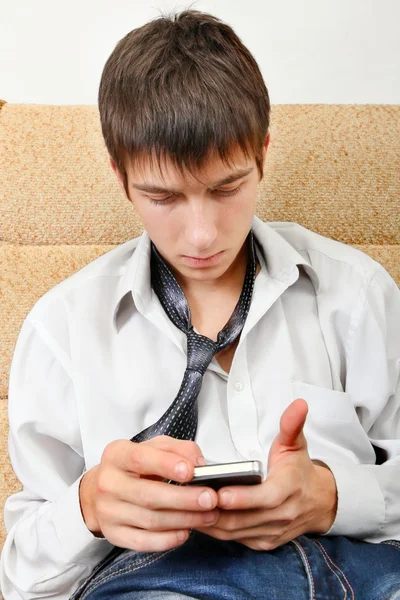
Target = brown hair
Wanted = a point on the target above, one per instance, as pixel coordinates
(182, 85)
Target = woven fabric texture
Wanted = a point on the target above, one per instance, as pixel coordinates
(332, 168)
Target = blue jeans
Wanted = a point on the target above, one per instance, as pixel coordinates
(307, 568)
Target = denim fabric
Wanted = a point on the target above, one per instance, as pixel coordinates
(307, 568)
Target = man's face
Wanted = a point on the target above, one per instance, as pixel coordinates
(199, 227)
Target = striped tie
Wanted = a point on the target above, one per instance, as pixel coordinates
(180, 419)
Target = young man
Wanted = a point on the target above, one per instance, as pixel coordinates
(213, 337)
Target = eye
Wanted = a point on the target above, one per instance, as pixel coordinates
(170, 198)
(166, 200)
(229, 192)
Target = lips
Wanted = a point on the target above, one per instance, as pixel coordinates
(201, 257)
(194, 261)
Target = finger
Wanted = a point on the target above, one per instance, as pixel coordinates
(237, 520)
(185, 448)
(157, 495)
(160, 520)
(260, 544)
(291, 424)
(242, 520)
(269, 494)
(145, 459)
(254, 543)
(147, 541)
(272, 530)
(270, 542)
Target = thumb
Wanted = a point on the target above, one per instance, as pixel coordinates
(290, 437)
(291, 425)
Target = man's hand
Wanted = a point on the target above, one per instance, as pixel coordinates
(125, 499)
(297, 497)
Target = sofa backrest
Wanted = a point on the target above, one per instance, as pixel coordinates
(332, 168)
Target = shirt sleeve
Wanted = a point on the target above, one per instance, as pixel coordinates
(368, 495)
(48, 550)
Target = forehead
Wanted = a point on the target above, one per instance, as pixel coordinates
(149, 168)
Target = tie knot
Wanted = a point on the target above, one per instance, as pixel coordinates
(200, 350)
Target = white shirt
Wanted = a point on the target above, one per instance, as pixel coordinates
(97, 360)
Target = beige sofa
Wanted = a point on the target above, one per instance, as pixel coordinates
(332, 168)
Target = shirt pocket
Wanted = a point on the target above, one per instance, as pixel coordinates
(324, 403)
(332, 429)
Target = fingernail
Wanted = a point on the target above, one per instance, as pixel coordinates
(181, 470)
(210, 518)
(201, 461)
(226, 498)
(205, 500)
(181, 535)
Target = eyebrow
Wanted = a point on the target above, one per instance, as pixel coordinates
(156, 189)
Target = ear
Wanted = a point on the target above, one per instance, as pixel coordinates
(264, 155)
(266, 144)
(119, 177)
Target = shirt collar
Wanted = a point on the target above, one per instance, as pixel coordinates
(279, 255)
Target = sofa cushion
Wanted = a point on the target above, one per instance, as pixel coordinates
(332, 168)
(29, 271)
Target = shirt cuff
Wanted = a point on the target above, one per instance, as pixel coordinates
(78, 544)
(361, 504)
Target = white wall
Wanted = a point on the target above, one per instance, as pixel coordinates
(311, 51)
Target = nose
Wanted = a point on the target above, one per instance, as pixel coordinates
(200, 229)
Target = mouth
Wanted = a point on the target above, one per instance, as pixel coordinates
(200, 257)
(209, 260)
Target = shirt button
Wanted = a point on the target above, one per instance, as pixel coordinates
(238, 386)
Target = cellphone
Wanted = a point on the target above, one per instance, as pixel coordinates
(245, 472)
